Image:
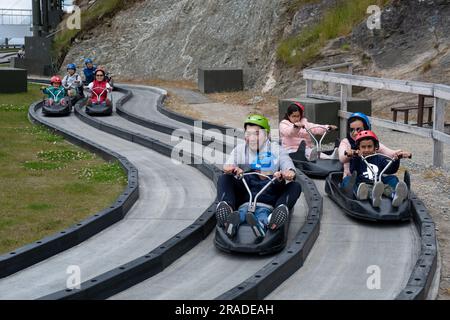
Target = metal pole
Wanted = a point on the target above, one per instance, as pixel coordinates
(438, 125)
(343, 121)
(309, 87)
(45, 13)
(36, 6)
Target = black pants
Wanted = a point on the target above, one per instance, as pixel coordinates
(234, 193)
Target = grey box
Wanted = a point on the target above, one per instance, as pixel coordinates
(325, 111)
(220, 80)
(13, 80)
(33, 67)
(38, 49)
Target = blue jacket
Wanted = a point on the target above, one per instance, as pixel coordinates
(378, 163)
(89, 74)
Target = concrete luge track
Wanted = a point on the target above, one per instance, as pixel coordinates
(202, 259)
(172, 197)
(349, 252)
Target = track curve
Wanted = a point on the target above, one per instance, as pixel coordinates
(171, 198)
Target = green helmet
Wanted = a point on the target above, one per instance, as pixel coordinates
(259, 120)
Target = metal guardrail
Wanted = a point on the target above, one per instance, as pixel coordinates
(440, 92)
(15, 17)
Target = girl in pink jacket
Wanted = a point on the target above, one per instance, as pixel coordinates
(293, 130)
(356, 123)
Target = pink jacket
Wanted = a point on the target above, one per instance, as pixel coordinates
(345, 145)
(292, 137)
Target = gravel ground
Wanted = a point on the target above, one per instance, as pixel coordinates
(432, 185)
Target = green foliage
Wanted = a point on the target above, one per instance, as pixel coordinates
(338, 20)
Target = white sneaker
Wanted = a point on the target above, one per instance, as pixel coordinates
(401, 193)
(377, 193)
(363, 191)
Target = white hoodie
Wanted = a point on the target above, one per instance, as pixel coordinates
(69, 81)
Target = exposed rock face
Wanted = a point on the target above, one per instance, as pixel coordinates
(409, 29)
(171, 39)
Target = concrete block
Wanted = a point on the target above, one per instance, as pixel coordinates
(13, 80)
(220, 80)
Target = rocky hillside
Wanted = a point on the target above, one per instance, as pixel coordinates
(170, 39)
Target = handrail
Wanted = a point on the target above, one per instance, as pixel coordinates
(440, 92)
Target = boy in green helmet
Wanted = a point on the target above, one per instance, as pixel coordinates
(259, 154)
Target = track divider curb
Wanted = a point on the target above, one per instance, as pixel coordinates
(422, 276)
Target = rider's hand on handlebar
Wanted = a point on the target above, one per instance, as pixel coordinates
(288, 175)
(278, 175)
(299, 125)
(231, 169)
(402, 154)
(332, 127)
(351, 153)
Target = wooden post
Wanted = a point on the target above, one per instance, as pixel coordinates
(438, 125)
(349, 88)
(309, 87)
(420, 104)
(343, 121)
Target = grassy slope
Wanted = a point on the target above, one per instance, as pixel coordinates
(46, 184)
(337, 21)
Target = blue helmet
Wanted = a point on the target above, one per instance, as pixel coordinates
(87, 60)
(71, 66)
(360, 116)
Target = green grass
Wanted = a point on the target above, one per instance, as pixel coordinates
(337, 21)
(42, 189)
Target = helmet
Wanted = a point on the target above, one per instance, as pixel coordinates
(259, 120)
(298, 105)
(360, 116)
(367, 134)
(71, 66)
(55, 79)
(87, 60)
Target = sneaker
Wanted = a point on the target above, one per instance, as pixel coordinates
(363, 191)
(232, 224)
(401, 193)
(256, 226)
(377, 192)
(278, 217)
(223, 212)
